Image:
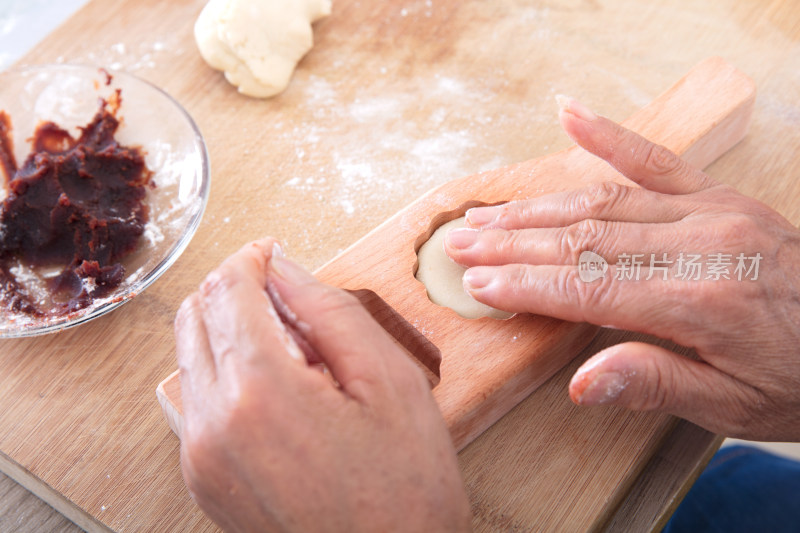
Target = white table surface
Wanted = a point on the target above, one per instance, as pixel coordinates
(23, 23)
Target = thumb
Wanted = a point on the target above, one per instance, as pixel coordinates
(644, 377)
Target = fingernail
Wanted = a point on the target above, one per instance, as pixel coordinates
(478, 277)
(290, 271)
(480, 216)
(574, 107)
(606, 388)
(277, 251)
(461, 238)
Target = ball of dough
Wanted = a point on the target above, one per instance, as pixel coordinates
(257, 43)
(442, 277)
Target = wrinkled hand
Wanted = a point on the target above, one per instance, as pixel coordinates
(747, 332)
(271, 444)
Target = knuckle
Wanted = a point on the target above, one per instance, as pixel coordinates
(510, 242)
(218, 281)
(599, 198)
(511, 213)
(520, 277)
(657, 159)
(589, 297)
(579, 237)
(738, 228)
(721, 197)
(731, 233)
(186, 312)
(660, 386)
(523, 212)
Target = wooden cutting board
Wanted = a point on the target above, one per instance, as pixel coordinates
(480, 369)
(395, 99)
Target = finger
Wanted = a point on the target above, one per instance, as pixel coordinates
(359, 353)
(650, 165)
(195, 360)
(244, 329)
(655, 306)
(601, 201)
(645, 377)
(564, 246)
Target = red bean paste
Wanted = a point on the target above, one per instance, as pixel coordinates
(75, 205)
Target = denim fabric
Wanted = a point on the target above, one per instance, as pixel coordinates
(743, 489)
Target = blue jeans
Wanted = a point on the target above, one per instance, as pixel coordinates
(742, 489)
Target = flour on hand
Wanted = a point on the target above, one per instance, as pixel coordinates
(257, 43)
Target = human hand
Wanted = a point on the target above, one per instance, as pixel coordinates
(271, 444)
(524, 257)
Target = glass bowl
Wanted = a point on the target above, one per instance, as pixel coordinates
(174, 150)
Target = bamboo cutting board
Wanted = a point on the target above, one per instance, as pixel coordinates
(395, 99)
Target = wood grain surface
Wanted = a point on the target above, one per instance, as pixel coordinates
(394, 100)
(485, 367)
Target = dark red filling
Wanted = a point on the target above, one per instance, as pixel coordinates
(77, 204)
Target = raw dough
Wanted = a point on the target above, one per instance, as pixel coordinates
(257, 43)
(442, 277)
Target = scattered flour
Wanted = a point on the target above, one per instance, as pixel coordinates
(377, 145)
(142, 56)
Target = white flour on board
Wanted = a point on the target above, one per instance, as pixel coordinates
(372, 149)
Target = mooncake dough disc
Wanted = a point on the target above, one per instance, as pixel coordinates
(442, 277)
